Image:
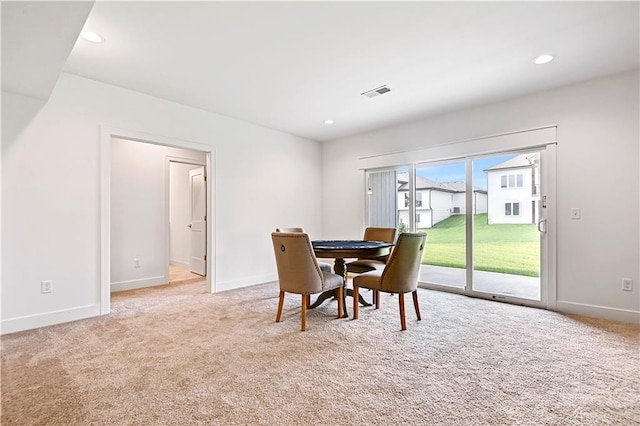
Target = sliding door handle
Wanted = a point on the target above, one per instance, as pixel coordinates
(542, 226)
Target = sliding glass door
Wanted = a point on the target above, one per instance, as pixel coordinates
(506, 240)
(485, 217)
(440, 203)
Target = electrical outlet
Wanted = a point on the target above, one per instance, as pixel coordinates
(46, 286)
(136, 262)
(627, 284)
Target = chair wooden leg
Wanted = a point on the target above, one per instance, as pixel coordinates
(403, 320)
(355, 302)
(304, 312)
(280, 303)
(340, 301)
(377, 297)
(415, 304)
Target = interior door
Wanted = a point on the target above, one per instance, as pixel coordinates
(198, 225)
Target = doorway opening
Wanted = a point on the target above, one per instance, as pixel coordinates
(151, 187)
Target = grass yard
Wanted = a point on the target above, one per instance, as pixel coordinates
(510, 249)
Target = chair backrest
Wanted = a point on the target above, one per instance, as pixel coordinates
(401, 273)
(298, 270)
(388, 235)
(289, 230)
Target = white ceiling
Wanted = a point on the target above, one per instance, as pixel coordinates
(37, 38)
(291, 65)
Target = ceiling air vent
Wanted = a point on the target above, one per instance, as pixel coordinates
(376, 92)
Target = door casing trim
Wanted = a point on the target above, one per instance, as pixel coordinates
(106, 135)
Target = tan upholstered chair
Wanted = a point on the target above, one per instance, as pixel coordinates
(362, 265)
(388, 235)
(400, 275)
(294, 229)
(299, 273)
(325, 267)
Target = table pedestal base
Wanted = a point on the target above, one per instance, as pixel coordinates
(332, 293)
(339, 250)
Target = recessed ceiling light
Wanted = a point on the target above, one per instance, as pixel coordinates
(543, 59)
(92, 37)
(328, 122)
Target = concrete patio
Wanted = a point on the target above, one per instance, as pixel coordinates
(486, 282)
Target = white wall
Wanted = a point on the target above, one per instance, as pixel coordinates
(441, 204)
(138, 202)
(51, 195)
(480, 202)
(597, 170)
(179, 213)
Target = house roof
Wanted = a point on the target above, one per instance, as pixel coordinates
(522, 160)
(425, 183)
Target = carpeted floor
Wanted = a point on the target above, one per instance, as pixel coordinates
(175, 355)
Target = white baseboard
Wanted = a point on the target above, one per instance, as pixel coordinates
(615, 314)
(179, 263)
(30, 322)
(245, 282)
(141, 283)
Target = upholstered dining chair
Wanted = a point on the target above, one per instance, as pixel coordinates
(325, 267)
(299, 273)
(400, 275)
(294, 229)
(387, 235)
(362, 265)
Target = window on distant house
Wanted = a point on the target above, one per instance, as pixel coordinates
(406, 200)
(512, 209)
(512, 181)
(418, 198)
(417, 218)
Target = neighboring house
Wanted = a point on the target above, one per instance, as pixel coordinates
(513, 190)
(436, 201)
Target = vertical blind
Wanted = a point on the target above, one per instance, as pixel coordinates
(383, 200)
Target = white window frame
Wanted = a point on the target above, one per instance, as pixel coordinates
(511, 181)
(512, 209)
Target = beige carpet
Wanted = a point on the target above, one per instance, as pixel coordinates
(174, 355)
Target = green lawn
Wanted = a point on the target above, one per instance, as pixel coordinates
(511, 249)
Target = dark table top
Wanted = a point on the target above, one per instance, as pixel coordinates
(345, 249)
(349, 245)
